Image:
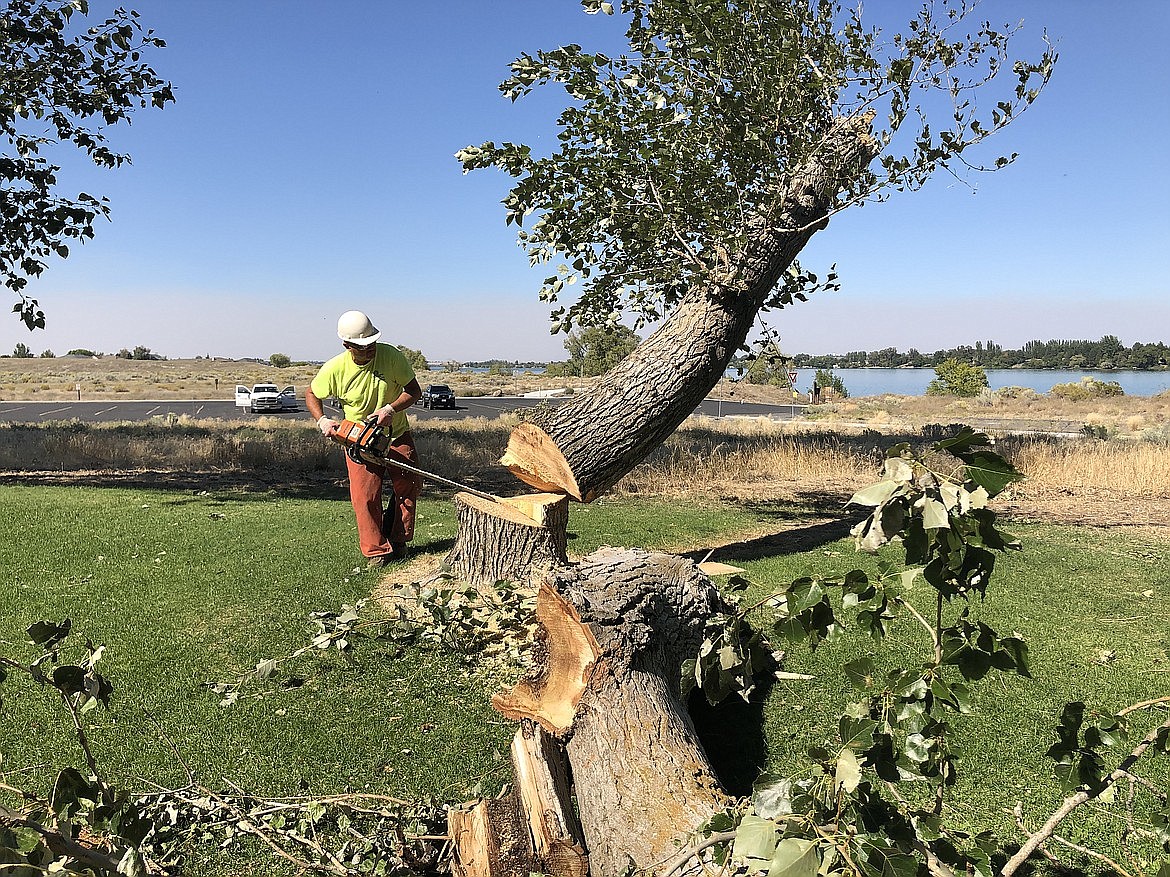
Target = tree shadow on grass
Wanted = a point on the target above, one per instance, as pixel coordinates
(806, 523)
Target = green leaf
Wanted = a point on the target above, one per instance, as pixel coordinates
(47, 634)
(72, 792)
(848, 774)
(795, 857)
(856, 733)
(991, 471)
(69, 679)
(755, 841)
(772, 796)
(132, 864)
(934, 514)
(860, 672)
(875, 494)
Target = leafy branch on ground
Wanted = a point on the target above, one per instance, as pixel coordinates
(86, 825)
(340, 834)
(876, 799)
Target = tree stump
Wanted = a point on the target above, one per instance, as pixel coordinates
(513, 539)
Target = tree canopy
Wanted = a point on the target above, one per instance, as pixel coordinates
(595, 350)
(957, 378)
(63, 85)
(674, 156)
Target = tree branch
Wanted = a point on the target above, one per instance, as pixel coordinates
(1073, 801)
(60, 844)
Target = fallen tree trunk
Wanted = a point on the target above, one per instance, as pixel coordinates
(585, 445)
(641, 779)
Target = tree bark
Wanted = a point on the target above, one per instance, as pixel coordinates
(511, 540)
(641, 778)
(585, 446)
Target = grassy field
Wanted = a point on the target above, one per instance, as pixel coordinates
(190, 586)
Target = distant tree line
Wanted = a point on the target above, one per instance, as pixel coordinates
(1108, 353)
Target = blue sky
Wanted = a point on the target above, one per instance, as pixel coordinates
(307, 168)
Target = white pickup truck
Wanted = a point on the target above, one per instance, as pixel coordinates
(266, 397)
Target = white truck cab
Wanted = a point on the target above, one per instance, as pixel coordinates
(266, 397)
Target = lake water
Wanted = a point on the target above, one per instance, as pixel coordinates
(913, 381)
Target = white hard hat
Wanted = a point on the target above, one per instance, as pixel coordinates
(356, 328)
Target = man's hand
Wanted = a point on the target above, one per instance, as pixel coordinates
(381, 416)
(327, 425)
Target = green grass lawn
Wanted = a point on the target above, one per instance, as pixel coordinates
(188, 588)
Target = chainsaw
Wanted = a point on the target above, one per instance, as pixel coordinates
(364, 442)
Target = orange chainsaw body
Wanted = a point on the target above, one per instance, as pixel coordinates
(362, 438)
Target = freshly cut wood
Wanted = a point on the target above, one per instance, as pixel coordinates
(515, 540)
(586, 444)
(489, 839)
(533, 457)
(542, 780)
(570, 654)
(641, 778)
(715, 568)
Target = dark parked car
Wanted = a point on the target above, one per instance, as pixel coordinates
(438, 396)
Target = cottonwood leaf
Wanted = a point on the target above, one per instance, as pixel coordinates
(934, 515)
(795, 857)
(848, 773)
(755, 841)
(875, 494)
(772, 796)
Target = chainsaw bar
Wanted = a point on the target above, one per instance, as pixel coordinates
(365, 441)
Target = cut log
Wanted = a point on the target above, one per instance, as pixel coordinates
(641, 778)
(570, 653)
(586, 444)
(489, 839)
(517, 539)
(542, 781)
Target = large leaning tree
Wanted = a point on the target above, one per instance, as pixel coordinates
(63, 86)
(692, 168)
(690, 171)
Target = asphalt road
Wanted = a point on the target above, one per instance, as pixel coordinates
(481, 406)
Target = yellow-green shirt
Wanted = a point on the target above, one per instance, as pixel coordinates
(362, 388)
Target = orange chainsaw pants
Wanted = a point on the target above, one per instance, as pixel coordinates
(378, 529)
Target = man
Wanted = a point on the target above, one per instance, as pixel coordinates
(373, 380)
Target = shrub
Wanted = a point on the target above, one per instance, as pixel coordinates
(827, 380)
(957, 378)
(1086, 388)
(1017, 393)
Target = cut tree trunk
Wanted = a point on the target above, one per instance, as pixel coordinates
(628, 618)
(585, 445)
(642, 781)
(513, 539)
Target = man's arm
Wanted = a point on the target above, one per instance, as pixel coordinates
(409, 395)
(313, 405)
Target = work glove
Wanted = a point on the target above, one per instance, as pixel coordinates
(326, 424)
(381, 416)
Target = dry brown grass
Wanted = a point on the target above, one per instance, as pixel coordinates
(57, 378)
(1009, 409)
(1125, 481)
(1140, 469)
